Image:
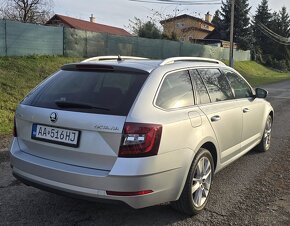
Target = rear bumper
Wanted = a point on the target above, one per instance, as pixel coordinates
(163, 174)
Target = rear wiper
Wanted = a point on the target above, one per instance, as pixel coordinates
(70, 104)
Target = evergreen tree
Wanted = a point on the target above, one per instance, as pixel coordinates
(242, 29)
(280, 24)
(263, 17)
(217, 21)
(149, 30)
(144, 29)
(284, 23)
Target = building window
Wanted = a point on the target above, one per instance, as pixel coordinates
(205, 26)
(180, 25)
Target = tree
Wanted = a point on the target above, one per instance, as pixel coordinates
(144, 29)
(149, 30)
(280, 24)
(283, 28)
(263, 17)
(27, 11)
(217, 20)
(242, 29)
(151, 27)
(135, 25)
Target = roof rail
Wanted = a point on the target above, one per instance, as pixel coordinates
(119, 58)
(172, 60)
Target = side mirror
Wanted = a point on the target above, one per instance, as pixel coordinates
(261, 93)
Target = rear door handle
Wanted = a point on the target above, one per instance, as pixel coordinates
(245, 110)
(215, 118)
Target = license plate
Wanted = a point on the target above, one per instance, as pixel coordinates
(55, 135)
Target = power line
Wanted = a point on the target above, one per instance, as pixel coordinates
(268, 32)
(271, 33)
(274, 36)
(174, 2)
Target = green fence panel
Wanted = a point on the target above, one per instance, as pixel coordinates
(2, 38)
(225, 54)
(240, 55)
(29, 39)
(121, 45)
(151, 48)
(170, 48)
(18, 39)
(74, 42)
(96, 44)
(188, 49)
(211, 52)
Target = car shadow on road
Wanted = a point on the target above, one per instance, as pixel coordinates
(59, 210)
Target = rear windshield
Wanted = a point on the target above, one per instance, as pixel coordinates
(100, 92)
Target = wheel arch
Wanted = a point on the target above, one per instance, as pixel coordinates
(271, 113)
(213, 150)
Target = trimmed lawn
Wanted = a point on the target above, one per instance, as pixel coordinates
(18, 75)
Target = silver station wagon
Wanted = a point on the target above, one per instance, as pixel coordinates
(139, 131)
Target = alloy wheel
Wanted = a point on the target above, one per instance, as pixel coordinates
(267, 134)
(201, 181)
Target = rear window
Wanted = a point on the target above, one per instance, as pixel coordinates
(100, 92)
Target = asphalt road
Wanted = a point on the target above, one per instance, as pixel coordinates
(255, 190)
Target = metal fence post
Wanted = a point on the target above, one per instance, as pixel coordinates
(63, 41)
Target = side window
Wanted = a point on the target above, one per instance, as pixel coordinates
(175, 91)
(200, 87)
(217, 84)
(241, 88)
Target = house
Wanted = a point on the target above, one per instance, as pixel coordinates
(66, 21)
(188, 28)
(215, 39)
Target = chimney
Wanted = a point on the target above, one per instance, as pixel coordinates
(92, 19)
(208, 17)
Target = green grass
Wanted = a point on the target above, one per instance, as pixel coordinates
(257, 74)
(18, 75)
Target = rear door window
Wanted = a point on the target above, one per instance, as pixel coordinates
(217, 84)
(176, 91)
(100, 92)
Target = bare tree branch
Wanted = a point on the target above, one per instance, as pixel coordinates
(27, 11)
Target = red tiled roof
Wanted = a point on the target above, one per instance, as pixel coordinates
(88, 26)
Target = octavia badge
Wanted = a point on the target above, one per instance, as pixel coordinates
(53, 117)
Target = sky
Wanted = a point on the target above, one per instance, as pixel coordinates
(119, 12)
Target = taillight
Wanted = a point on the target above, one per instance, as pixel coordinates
(140, 140)
(14, 128)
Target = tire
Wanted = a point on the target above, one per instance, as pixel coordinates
(264, 145)
(194, 196)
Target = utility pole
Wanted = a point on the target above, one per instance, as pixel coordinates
(232, 34)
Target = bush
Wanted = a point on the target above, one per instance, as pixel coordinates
(282, 65)
(269, 61)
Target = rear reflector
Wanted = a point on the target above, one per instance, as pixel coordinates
(134, 193)
(140, 140)
(14, 128)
